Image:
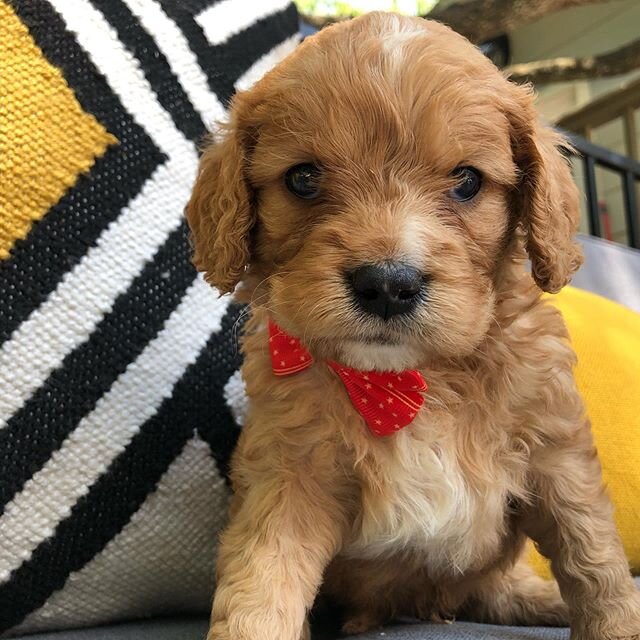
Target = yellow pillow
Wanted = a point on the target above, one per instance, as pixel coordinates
(606, 337)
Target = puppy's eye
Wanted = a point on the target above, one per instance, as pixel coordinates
(469, 183)
(303, 180)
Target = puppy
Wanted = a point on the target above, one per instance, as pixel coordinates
(377, 195)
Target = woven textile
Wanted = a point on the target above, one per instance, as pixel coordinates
(118, 369)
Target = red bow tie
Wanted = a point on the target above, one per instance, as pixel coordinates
(387, 401)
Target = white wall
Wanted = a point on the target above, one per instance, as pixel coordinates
(577, 32)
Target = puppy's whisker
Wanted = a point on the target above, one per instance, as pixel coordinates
(309, 317)
(257, 288)
(256, 301)
(236, 325)
(247, 312)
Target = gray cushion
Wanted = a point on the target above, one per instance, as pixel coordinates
(195, 629)
(610, 270)
(159, 629)
(465, 631)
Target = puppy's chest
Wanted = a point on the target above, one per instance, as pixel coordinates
(422, 502)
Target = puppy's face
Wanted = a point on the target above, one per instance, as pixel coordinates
(373, 184)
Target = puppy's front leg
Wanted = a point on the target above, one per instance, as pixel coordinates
(572, 523)
(272, 557)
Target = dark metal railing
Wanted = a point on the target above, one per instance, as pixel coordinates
(629, 171)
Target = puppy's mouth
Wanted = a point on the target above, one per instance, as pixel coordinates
(369, 329)
(378, 340)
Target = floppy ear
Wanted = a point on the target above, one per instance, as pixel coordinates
(220, 212)
(547, 197)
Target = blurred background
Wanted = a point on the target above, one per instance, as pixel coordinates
(583, 57)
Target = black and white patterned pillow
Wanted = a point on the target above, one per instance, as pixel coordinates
(118, 365)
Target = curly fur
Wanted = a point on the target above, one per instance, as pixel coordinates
(432, 521)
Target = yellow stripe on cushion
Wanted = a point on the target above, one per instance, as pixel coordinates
(46, 139)
(606, 337)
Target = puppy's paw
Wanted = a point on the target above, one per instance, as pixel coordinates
(602, 633)
(361, 623)
(598, 636)
(441, 617)
(623, 625)
(219, 631)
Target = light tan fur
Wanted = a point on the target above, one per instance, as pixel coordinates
(430, 522)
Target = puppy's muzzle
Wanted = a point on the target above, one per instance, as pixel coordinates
(387, 289)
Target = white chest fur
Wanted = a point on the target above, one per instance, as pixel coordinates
(423, 503)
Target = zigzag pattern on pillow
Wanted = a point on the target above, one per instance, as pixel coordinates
(118, 365)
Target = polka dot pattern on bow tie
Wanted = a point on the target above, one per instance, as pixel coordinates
(387, 401)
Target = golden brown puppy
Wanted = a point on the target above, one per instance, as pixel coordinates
(377, 195)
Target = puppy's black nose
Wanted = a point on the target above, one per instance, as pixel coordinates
(386, 289)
